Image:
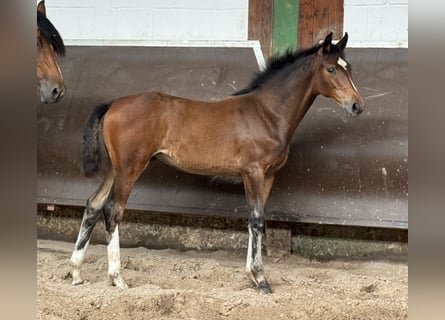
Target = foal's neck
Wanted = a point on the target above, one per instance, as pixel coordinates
(290, 94)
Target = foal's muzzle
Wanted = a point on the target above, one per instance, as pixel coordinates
(354, 109)
(51, 94)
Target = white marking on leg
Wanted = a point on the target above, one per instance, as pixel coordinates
(249, 256)
(342, 63)
(258, 263)
(78, 255)
(113, 252)
(114, 260)
(252, 263)
(258, 259)
(76, 262)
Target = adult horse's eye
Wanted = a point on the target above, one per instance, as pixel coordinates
(331, 70)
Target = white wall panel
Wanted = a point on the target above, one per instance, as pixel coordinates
(146, 20)
(370, 23)
(376, 23)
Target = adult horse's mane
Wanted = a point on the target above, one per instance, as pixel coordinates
(280, 62)
(49, 32)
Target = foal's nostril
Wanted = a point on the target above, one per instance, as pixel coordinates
(356, 108)
(56, 92)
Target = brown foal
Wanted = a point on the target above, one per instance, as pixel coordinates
(246, 135)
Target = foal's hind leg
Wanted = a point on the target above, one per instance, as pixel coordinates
(257, 190)
(90, 217)
(113, 216)
(113, 212)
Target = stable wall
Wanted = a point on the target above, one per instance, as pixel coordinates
(371, 23)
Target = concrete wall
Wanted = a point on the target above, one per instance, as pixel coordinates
(180, 232)
(376, 23)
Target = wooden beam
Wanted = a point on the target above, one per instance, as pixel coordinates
(261, 24)
(317, 18)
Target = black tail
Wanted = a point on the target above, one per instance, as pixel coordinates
(242, 91)
(90, 151)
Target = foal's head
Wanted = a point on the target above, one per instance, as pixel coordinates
(49, 44)
(333, 77)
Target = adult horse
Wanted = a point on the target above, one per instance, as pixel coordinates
(49, 44)
(246, 135)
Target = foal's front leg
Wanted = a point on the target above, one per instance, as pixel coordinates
(256, 194)
(254, 262)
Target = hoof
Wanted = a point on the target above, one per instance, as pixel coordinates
(118, 281)
(76, 282)
(264, 287)
(77, 279)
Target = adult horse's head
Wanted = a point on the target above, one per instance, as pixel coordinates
(333, 79)
(49, 45)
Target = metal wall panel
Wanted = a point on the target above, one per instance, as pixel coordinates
(340, 170)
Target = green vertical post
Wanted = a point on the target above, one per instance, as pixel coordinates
(285, 25)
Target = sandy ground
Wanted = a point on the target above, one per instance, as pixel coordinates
(168, 284)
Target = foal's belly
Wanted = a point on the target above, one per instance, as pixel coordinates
(205, 164)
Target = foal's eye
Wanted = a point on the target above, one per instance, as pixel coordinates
(331, 70)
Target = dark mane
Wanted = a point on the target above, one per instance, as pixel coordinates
(277, 63)
(50, 33)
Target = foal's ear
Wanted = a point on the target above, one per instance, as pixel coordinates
(327, 44)
(41, 7)
(342, 43)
